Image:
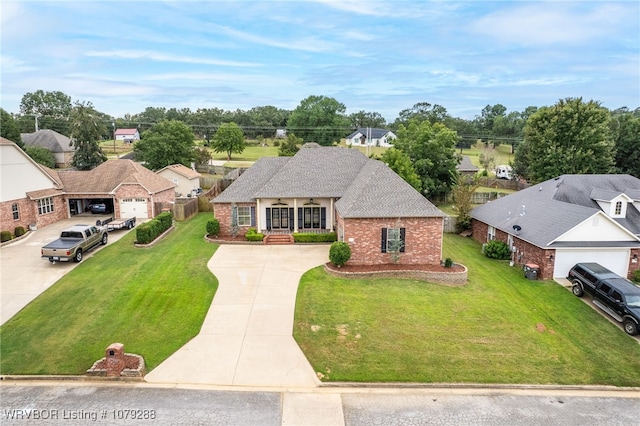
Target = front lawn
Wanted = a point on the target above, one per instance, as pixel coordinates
(153, 300)
(499, 328)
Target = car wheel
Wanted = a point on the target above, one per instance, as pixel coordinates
(78, 257)
(630, 327)
(104, 239)
(577, 290)
(130, 225)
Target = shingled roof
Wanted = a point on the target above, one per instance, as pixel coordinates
(49, 139)
(547, 210)
(366, 188)
(108, 176)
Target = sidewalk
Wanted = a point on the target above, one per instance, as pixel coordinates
(246, 338)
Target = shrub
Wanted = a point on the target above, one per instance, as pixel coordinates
(5, 236)
(253, 235)
(19, 231)
(144, 233)
(304, 237)
(213, 227)
(166, 220)
(276, 143)
(448, 263)
(497, 250)
(339, 253)
(636, 276)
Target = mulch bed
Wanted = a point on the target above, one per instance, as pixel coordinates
(394, 267)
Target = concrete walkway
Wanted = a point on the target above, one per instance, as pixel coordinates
(246, 338)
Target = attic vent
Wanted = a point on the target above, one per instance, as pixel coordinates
(522, 211)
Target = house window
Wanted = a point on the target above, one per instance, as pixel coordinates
(45, 205)
(491, 233)
(244, 216)
(393, 240)
(16, 211)
(618, 208)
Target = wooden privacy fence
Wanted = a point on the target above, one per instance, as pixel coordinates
(185, 209)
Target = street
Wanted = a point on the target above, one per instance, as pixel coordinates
(85, 403)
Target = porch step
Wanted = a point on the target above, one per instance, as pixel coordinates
(278, 239)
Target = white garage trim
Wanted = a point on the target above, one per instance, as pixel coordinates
(133, 207)
(615, 259)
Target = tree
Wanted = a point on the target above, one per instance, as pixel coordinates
(571, 137)
(362, 119)
(165, 143)
(289, 146)
(626, 135)
(422, 111)
(41, 156)
(50, 109)
(400, 163)
(86, 129)
(9, 128)
(319, 119)
(431, 148)
(202, 156)
(463, 190)
(228, 138)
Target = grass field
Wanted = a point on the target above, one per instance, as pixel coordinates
(153, 300)
(499, 328)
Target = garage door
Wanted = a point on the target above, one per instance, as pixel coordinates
(134, 207)
(617, 260)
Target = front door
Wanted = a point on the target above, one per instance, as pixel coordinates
(279, 218)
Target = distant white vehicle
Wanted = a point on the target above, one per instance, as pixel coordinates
(504, 172)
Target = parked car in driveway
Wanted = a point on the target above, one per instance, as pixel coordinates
(616, 296)
(99, 208)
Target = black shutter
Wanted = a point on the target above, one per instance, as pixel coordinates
(300, 218)
(269, 218)
(253, 216)
(383, 242)
(323, 217)
(401, 240)
(291, 219)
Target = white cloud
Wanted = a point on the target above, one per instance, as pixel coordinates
(163, 57)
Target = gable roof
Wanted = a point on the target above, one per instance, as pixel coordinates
(126, 132)
(375, 133)
(108, 176)
(547, 210)
(49, 139)
(182, 170)
(366, 188)
(466, 165)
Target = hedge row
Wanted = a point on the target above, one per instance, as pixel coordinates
(302, 237)
(253, 235)
(8, 236)
(149, 231)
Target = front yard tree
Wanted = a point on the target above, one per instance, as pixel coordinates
(431, 148)
(319, 119)
(571, 137)
(400, 163)
(86, 130)
(230, 139)
(165, 143)
(626, 134)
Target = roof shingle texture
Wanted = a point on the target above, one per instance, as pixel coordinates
(366, 188)
(49, 139)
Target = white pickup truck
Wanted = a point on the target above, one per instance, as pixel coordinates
(73, 243)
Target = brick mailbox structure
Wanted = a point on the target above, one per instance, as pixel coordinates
(114, 359)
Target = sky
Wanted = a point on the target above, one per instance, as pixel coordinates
(372, 56)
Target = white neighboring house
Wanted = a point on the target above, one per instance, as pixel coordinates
(187, 180)
(372, 137)
(127, 135)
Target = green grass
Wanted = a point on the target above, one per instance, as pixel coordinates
(250, 154)
(501, 154)
(499, 328)
(153, 300)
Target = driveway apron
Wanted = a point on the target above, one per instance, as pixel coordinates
(246, 338)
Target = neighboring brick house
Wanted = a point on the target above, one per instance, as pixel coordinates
(566, 220)
(330, 189)
(187, 180)
(31, 194)
(60, 146)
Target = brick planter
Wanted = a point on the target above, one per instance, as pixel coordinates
(454, 278)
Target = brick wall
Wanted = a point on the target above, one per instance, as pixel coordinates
(222, 212)
(423, 240)
(634, 266)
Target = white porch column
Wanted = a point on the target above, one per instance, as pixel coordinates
(295, 215)
(331, 214)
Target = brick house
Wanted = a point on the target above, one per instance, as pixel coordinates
(60, 146)
(331, 189)
(31, 194)
(566, 220)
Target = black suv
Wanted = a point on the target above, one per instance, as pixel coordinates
(615, 295)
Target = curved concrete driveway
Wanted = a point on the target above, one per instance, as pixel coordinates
(246, 338)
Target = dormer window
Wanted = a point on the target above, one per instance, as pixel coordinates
(618, 211)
